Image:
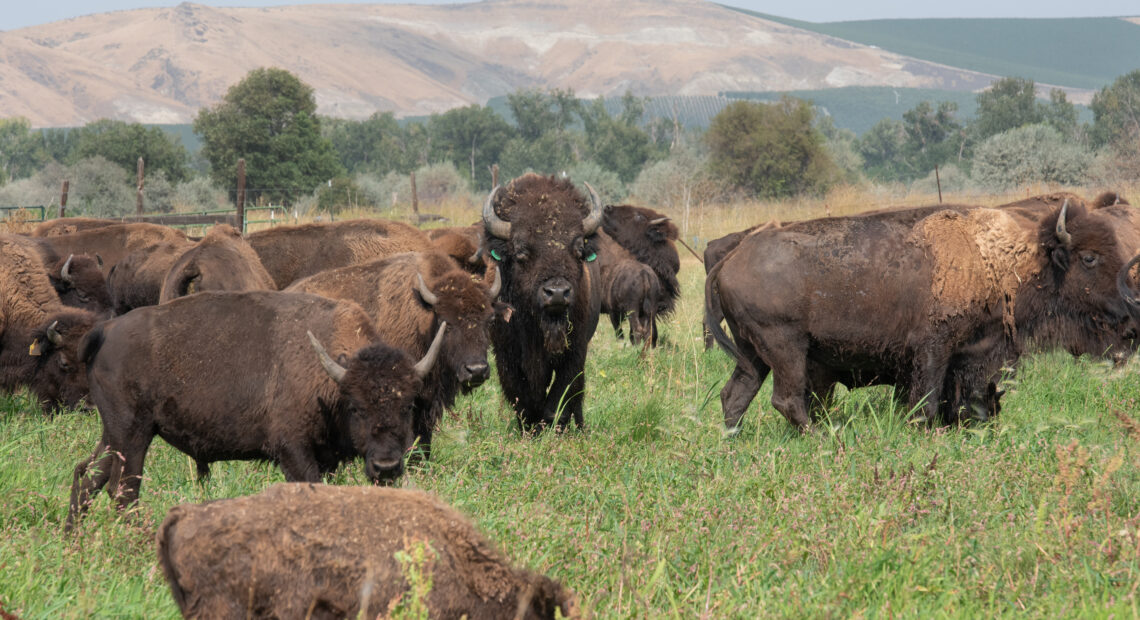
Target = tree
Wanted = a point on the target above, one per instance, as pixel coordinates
(269, 118)
(617, 144)
(377, 144)
(124, 143)
(472, 138)
(1030, 154)
(770, 149)
(21, 150)
(932, 138)
(1060, 113)
(882, 150)
(1116, 111)
(1008, 104)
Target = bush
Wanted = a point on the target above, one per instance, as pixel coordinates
(605, 182)
(1030, 154)
(340, 193)
(953, 180)
(200, 194)
(680, 180)
(98, 188)
(435, 183)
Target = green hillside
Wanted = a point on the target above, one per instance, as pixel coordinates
(1075, 52)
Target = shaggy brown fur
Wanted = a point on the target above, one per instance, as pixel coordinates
(542, 349)
(330, 552)
(461, 243)
(113, 243)
(70, 225)
(83, 286)
(251, 387)
(221, 261)
(136, 281)
(387, 290)
(651, 241)
(290, 253)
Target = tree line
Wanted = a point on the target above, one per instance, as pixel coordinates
(754, 149)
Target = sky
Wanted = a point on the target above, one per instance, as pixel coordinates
(21, 14)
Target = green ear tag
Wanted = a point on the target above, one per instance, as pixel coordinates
(591, 257)
(495, 254)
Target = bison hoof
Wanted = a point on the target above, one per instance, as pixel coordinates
(732, 431)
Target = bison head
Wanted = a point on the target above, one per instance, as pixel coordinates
(80, 283)
(58, 377)
(540, 231)
(456, 299)
(377, 389)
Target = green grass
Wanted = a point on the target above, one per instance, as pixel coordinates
(652, 512)
(1086, 52)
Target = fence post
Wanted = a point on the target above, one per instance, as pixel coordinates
(938, 180)
(415, 198)
(63, 198)
(241, 195)
(139, 192)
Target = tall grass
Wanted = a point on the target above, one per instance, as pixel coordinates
(652, 512)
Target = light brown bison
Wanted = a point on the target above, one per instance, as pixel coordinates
(409, 296)
(253, 386)
(221, 261)
(70, 225)
(290, 253)
(322, 551)
(541, 233)
(112, 243)
(461, 243)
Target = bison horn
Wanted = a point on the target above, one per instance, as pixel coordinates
(429, 297)
(477, 256)
(1122, 283)
(660, 220)
(65, 272)
(335, 370)
(493, 223)
(1063, 235)
(497, 285)
(594, 219)
(54, 335)
(423, 367)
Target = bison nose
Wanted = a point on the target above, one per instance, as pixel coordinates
(384, 471)
(555, 293)
(475, 373)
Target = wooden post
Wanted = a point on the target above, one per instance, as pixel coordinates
(938, 180)
(241, 195)
(63, 198)
(494, 176)
(415, 197)
(139, 191)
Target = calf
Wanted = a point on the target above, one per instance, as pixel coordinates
(630, 288)
(331, 552)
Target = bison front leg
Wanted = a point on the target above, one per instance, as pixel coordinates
(926, 386)
(564, 400)
(88, 480)
(299, 464)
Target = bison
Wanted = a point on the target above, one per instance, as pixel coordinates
(331, 552)
(136, 280)
(290, 253)
(79, 282)
(254, 386)
(649, 236)
(935, 307)
(461, 243)
(70, 225)
(408, 296)
(629, 288)
(221, 261)
(541, 233)
(112, 243)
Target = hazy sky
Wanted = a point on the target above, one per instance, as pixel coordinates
(17, 14)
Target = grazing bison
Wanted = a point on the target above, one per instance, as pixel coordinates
(541, 233)
(112, 243)
(409, 296)
(253, 386)
(949, 297)
(136, 280)
(331, 552)
(221, 261)
(38, 335)
(290, 253)
(629, 288)
(649, 236)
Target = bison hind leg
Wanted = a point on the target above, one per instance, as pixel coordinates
(202, 468)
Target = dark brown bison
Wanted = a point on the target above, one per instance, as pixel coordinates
(935, 307)
(322, 551)
(630, 289)
(112, 243)
(290, 253)
(717, 249)
(79, 282)
(221, 261)
(136, 280)
(38, 335)
(461, 243)
(650, 237)
(541, 233)
(409, 296)
(254, 386)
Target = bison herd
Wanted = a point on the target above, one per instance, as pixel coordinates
(312, 345)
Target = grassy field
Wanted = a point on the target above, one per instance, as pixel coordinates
(652, 512)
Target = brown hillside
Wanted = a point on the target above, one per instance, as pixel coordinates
(162, 65)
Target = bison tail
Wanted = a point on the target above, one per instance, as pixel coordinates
(90, 344)
(714, 314)
(165, 534)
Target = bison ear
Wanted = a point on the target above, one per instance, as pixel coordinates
(1061, 257)
(504, 311)
(36, 349)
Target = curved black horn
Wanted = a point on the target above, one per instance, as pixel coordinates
(492, 222)
(429, 297)
(1122, 284)
(591, 222)
(497, 285)
(423, 367)
(335, 370)
(65, 272)
(1062, 234)
(54, 335)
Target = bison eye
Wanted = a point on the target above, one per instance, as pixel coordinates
(1090, 259)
